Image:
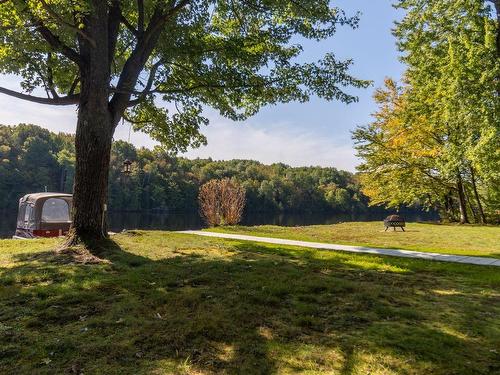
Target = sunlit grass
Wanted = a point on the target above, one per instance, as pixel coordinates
(448, 239)
(177, 304)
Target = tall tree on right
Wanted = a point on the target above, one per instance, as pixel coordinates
(451, 94)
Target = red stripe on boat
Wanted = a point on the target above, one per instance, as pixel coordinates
(48, 232)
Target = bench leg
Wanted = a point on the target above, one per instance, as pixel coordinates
(386, 229)
(394, 228)
(403, 229)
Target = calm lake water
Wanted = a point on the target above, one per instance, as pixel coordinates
(119, 221)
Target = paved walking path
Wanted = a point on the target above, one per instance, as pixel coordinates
(356, 249)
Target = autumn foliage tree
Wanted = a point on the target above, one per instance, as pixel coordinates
(121, 58)
(399, 157)
(221, 202)
(435, 138)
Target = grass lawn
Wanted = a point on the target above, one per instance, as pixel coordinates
(448, 239)
(177, 304)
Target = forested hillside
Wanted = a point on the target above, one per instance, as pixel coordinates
(32, 158)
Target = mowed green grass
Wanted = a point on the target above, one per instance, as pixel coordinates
(441, 238)
(177, 304)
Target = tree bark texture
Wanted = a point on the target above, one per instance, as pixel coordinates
(471, 206)
(98, 114)
(476, 195)
(461, 201)
(449, 207)
(94, 133)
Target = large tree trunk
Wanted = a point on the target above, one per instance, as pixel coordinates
(93, 147)
(471, 206)
(476, 195)
(461, 201)
(94, 134)
(448, 207)
(98, 115)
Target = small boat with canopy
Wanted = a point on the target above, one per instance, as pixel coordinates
(43, 215)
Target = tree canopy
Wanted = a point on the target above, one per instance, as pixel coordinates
(435, 137)
(234, 56)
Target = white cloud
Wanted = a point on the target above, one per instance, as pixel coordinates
(266, 142)
(272, 144)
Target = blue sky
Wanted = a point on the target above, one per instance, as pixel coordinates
(313, 133)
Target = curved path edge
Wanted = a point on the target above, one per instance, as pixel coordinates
(481, 261)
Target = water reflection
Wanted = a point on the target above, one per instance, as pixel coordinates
(119, 221)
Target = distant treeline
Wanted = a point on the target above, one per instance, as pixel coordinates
(32, 159)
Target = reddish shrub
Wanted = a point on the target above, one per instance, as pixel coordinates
(221, 202)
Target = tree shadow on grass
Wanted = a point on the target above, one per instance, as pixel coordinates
(242, 308)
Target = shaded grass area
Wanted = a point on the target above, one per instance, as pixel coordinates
(177, 304)
(448, 239)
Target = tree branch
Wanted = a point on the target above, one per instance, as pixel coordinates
(140, 19)
(129, 26)
(153, 28)
(50, 77)
(56, 43)
(151, 78)
(66, 24)
(114, 19)
(64, 100)
(147, 89)
(214, 86)
(139, 56)
(53, 40)
(45, 86)
(128, 119)
(73, 85)
(208, 85)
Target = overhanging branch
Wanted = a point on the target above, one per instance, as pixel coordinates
(56, 43)
(62, 100)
